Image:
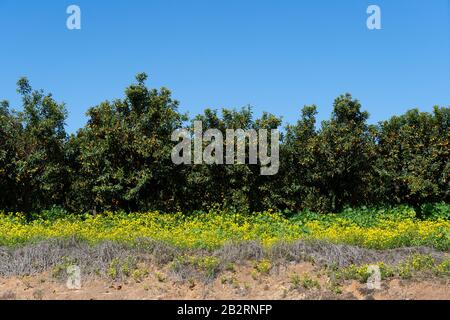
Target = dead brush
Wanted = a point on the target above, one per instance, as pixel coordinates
(337, 255)
(119, 261)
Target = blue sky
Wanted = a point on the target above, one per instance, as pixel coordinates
(274, 55)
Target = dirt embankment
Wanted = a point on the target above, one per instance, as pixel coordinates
(295, 281)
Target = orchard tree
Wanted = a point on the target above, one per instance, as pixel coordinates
(296, 188)
(343, 153)
(414, 157)
(124, 152)
(9, 149)
(237, 187)
(40, 175)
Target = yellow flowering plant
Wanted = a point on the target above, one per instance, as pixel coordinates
(214, 229)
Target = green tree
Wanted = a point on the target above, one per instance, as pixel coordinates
(294, 186)
(40, 170)
(121, 160)
(238, 187)
(344, 153)
(123, 155)
(9, 133)
(413, 157)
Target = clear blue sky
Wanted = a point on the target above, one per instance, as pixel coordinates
(274, 55)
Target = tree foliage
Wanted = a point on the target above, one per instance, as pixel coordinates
(121, 159)
(33, 151)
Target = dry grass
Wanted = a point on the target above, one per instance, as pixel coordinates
(201, 265)
(327, 254)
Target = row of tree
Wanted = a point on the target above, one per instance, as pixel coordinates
(121, 159)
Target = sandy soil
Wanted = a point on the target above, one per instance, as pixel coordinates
(241, 284)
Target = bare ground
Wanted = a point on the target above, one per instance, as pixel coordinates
(241, 283)
(153, 270)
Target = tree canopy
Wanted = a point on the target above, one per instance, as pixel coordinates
(121, 159)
